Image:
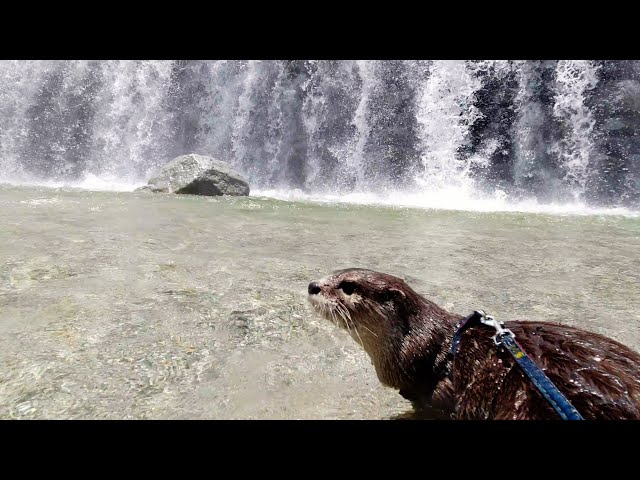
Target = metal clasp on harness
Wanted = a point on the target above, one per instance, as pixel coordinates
(501, 331)
(549, 391)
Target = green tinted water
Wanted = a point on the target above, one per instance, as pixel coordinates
(125, 305)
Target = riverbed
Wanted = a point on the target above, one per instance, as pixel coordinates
(121, 305)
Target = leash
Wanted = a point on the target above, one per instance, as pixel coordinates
(506, 338)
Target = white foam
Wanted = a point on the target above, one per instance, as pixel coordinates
(454, 198)
(108, 183)
(461, 198)
(40, 201)
(105, 183)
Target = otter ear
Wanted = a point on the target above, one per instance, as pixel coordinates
(392, 294)
(398, 292)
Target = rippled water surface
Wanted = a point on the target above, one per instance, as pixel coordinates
(127, 305)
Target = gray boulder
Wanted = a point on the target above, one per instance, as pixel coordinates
(197, 175)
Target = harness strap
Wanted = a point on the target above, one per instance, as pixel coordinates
(463, 325)
(506, 338)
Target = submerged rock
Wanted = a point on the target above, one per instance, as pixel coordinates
(197, 175)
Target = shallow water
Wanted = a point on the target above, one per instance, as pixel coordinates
(127, 305)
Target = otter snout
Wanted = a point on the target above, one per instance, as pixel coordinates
(314, 288)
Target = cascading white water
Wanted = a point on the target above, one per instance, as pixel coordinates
(418, 132)
(574, 78)
(331, 97)
(529, 142)
(356, 161)
(242, 119)
(102, 119)
(130, 120)
(445, 114)
(18, 84)
(313, 109)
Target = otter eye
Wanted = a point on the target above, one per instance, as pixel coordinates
(347, 287)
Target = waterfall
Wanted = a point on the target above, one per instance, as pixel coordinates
(446, 114)
(356, 162)
(574, 80)
(539, 131)
(65, 119)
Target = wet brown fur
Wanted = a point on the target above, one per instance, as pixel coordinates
(408, 337)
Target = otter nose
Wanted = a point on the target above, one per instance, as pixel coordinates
(314, 288)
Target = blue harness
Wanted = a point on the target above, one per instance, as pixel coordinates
(505, 338)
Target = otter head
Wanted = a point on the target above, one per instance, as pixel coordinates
(378, 310)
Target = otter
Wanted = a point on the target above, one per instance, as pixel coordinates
(408, 339)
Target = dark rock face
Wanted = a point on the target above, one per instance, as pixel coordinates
(616, 105)
(496, 99)
(198, 175)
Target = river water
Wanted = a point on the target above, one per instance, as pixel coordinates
(132, 305)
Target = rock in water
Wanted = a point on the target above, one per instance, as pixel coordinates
(198, 175)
